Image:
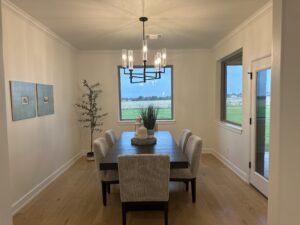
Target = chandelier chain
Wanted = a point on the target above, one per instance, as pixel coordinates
(143, 7)
(147, 74)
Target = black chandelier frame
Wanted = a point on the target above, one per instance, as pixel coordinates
(146, 75)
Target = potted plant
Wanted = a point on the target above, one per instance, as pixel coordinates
(91, 115)
(149, 117)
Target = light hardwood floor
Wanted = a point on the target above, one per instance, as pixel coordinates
(74, 199)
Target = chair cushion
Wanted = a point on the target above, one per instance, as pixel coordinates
(144, 177)
(110, 137)
(186, 133)
(181, 174)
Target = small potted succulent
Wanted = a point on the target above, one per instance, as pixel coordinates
(149, 117)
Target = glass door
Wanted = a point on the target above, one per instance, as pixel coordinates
(263, 97)
(260, 132)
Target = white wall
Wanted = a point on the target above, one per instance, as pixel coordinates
(284, 195)
(5, 210)
(38, 146)
(192, 90)
(255, 37)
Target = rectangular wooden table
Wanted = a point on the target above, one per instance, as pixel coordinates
(165, 145)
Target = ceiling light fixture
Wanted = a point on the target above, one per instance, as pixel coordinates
(160, 62)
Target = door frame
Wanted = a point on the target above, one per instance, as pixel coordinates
(255, 179)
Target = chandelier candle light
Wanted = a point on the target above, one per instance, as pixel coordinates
(160, 62)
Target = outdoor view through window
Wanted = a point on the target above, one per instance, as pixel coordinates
(135, 96)
(232, 105)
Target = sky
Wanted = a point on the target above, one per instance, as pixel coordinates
(160, 87)
(235, 79)
(265, 76)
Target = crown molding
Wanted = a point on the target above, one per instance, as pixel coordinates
(54, 36)
(95, 52)
(262, 11)
(33, 21)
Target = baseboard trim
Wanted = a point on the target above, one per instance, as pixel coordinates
(85, 151)
(231, 166)
(207, 151)
(19, 204)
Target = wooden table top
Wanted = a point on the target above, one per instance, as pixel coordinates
(165, 145)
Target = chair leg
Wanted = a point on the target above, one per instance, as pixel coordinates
(123, 214)
(108, 188)
(166, 209)
(187, 186)
(104, 193)
(193, 184)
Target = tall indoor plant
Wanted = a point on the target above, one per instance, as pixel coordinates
(91, 115)
(149, 117)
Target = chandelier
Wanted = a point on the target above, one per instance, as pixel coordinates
(144, 73)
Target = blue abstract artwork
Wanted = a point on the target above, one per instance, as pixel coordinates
(45, 100)
(23, 100)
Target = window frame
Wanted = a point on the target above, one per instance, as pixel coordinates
(224, 63)
(172, 93)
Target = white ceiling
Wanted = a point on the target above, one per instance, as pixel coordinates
(113, 24)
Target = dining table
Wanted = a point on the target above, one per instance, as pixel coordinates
(165, 144)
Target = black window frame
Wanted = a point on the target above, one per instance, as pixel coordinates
(224, 62)
(172, 93)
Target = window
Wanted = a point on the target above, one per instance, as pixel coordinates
(133, 97)
(232, 89)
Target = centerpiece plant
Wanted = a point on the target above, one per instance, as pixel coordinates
(149, 117)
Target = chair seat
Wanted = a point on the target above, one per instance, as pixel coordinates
(109, 175)
(181, 174)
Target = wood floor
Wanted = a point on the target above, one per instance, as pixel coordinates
(74, 199)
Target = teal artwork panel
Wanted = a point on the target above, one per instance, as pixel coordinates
(45, 101)
(23, 100)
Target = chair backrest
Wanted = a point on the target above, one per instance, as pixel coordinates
(185, 134)
(144, 177)
(110, 137)
(193, 152)
(100, 150)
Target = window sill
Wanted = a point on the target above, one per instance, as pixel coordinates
(160, 122)
(233, 128)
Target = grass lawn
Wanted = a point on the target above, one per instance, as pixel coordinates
(234, 114)
(131, 114)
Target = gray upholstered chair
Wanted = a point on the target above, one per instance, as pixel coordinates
(144, 183)
(110, 137)
(185, 134)
(193, 152)
(106, 177)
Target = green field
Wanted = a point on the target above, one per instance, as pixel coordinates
(131, 114)
(234, 114)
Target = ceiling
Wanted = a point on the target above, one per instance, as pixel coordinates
(113, 24)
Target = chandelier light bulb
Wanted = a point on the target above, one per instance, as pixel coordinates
(164, 57)
(156, 62)
(159, 59)
(130, 59)
(145, 50)
(124, 58)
